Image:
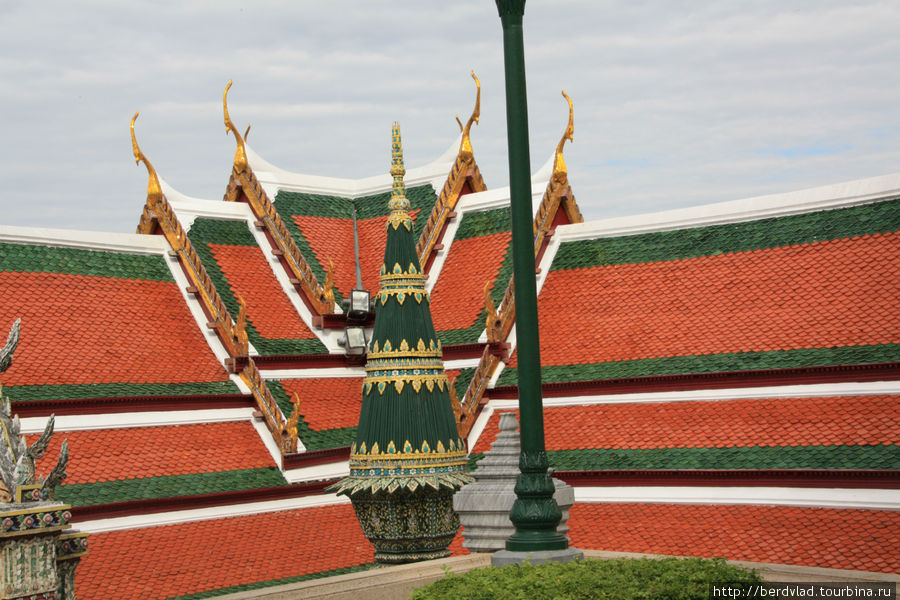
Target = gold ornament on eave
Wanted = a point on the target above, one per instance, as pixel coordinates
(154, 192)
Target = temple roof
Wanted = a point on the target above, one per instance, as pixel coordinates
(810, 289)
(100, 323)
(137, 341)
(329, 408)
(820, 537)
(140, 463)
(239, 269)
(325, 225)
(842, 432)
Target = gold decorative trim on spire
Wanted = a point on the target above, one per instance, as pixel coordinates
(240, 155)
(559, 164)
(398, 204)
(465, 147)
(154, 192)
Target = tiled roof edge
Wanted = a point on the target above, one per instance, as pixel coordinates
(218, 411)
(850, 193)
(174, 516)
(190, 209)
(498, 198)
(867, 499)
(102, 241)
(808, 478)
(813, 390)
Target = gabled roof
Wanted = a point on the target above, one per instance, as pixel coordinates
(138, 463)
(329, 408)
(196, 559)
(304, 214)
(810, 289)
(238, 269)
(325, 226)
(856, 540)
(841, 432)
(99, 323)
(480, 254)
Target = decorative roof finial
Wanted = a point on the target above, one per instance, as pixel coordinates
(559, 164)
(398, 203)
(465, 147)
(154, 192)
(240, 155)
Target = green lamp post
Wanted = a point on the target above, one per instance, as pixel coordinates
(535, 513)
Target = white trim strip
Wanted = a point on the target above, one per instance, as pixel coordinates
(205, 514)
(817, 390)
(322, 373)
(163, 418)
(332, 470)
(850, 193)
(131, 243)
(871, 499)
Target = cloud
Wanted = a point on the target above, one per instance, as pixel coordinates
(675, 103)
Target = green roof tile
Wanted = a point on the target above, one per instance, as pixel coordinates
(880, 457)
(86, 494)
(312, 439)
(236, 233)
(714, 363)
(49, 259)
(484, 222)
(773, 232)
(25, 393)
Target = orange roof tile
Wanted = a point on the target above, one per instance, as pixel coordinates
(840, 420)
(155, 563)
(816, 295)
(458, 295)
(332, 238)
(268, 307)
(135, 452)
(862, 540)
(372, 240)
(327, 402)
(80, 329)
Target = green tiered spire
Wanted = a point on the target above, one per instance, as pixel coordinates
(407, 452)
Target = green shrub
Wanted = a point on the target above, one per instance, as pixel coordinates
(620, 579)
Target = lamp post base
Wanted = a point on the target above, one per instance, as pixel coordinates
(535, 557)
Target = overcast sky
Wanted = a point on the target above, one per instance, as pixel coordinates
(676, 103)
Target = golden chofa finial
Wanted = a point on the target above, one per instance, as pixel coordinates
(154, 192)
(559, 164)
(398, 204)
(240, 155)
(465, 147)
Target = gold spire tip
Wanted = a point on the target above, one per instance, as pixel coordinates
(154, 192)
(465, 147)
(559, 164)
(240, 155)
(398, 204)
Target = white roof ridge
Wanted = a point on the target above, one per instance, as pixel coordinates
(838, 195)
(272, 176)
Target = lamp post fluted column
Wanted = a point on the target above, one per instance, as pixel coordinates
(535, 513)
